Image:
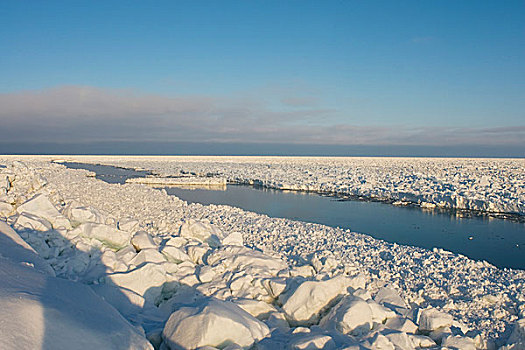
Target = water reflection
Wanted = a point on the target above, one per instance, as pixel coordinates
(500, 242)
(107, 173)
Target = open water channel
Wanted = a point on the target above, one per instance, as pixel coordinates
(500, 242)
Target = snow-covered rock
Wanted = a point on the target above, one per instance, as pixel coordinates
(212, 322)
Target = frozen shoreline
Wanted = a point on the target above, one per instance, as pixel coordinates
(493, 301)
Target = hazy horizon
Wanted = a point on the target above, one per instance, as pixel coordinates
(253, 149)
(374, 78)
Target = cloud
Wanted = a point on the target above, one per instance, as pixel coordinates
(90, 114)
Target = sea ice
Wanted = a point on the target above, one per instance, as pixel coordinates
(40, 311)
(432, 319)
(200, 231)
(204, 259)
(351, 315)
(212, 322)
(302, 305)
(108, 235)
(40, 206)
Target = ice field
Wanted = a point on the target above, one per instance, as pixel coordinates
(86, 263)
(488, 185)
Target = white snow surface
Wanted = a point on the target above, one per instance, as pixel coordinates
(173, 268)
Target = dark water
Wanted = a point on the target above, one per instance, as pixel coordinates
(500, 242)
(107, 173)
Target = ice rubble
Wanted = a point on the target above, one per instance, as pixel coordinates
(178, 181)
(489, 185)
(40, 311)
(181, 274)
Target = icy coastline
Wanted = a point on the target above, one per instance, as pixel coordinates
(169, 267)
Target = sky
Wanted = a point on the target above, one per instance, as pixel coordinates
(270, 77)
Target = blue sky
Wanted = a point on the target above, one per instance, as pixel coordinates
(427, 73)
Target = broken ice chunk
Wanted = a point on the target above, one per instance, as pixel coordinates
(303, 304)
(212, 322)
(352, 315)
(432, 319)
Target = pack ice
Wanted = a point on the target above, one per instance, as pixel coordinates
(87, 264)
(488, 185)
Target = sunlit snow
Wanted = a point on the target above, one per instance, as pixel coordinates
(87, 264)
